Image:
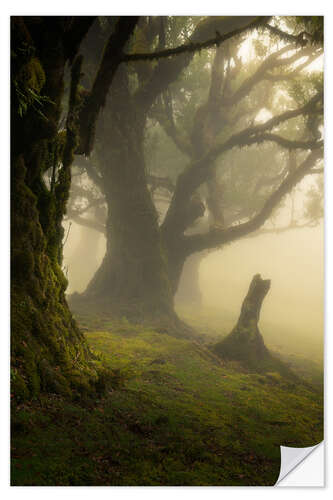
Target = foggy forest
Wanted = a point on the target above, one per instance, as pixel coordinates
(167, 268)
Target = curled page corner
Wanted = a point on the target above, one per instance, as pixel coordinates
(291, 458)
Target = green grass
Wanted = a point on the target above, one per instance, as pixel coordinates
(181, 418)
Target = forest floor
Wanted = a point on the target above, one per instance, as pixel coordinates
(178, 417)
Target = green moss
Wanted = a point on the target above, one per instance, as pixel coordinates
(61, 141)
(178, 418)
(18, 387)
(23, 262)
(48, 352)
(30, 370)
(28, 83)
(32, 75)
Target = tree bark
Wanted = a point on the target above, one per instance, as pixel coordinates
(133, 276)
(134, 279)
(48, 352)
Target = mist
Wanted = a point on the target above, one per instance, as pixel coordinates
(167, 248)
(292, 317)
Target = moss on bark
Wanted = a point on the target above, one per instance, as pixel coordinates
(48, 352)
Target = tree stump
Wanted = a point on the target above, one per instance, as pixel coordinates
(245, 342)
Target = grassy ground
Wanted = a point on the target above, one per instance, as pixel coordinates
(180, 417)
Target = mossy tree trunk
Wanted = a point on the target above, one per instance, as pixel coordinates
(132, 280)
(48, 352)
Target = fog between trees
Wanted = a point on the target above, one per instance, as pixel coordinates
(294, 261)
(262, 77)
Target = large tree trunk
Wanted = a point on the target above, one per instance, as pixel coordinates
(133, 279)
(138, 275)
(48, 352)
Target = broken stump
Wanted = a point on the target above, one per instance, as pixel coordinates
(245, 342)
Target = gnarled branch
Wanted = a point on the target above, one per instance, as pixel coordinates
(216, 237)
(192, 46)
(197, 172)
(272, 62)
(112, 57)
(168, 70)
(73, 36)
